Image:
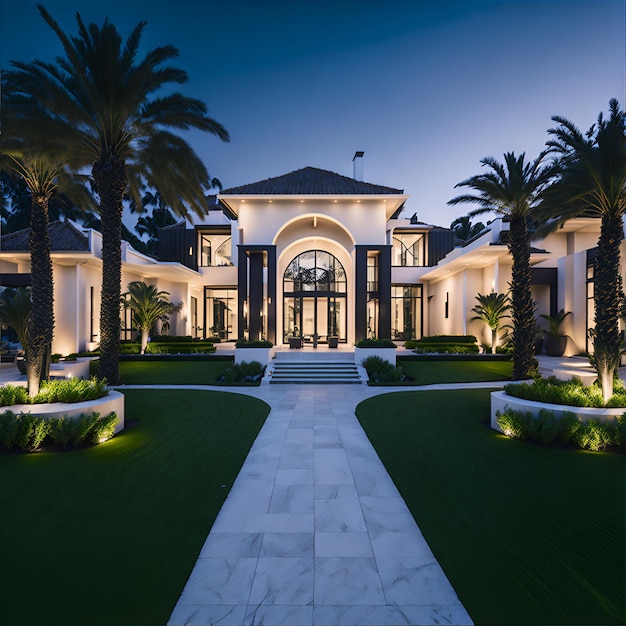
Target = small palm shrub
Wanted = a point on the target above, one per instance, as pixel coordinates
(246, 372)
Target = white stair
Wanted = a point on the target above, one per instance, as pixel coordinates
(314, 372)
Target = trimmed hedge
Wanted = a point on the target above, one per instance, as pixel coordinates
(257, 343)
(375, 343)
(448, 339)
(190, 347)
(443, 348)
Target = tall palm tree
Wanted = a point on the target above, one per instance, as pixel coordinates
(513, 190)
(103, 103)
(491, 309)
(593, 183)
(160, 217)
(148, 306)
(464, 229)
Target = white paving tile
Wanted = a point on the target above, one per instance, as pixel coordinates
(314, 531)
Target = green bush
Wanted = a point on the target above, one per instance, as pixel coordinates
(13, 394)
(444, 348)
(375, 343)
(545, 427)
(104, 428)
(569, 392)
(381, 371)
(190, 347)
(132, 347)
(71, 390)
(9, 429)
(246, 372)
(61, 430)
(32, 431)
(449, 339)
(171, 338)
(257, 343)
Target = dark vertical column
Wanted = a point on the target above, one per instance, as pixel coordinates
(255, 293)
(271, 293)
(360, 294)
(384, 293)
(242, 289)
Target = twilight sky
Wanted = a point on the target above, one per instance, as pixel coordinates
(426, 89)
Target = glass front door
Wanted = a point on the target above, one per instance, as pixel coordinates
(315, 319)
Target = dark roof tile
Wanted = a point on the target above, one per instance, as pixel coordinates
(310, 181)
(63, 237)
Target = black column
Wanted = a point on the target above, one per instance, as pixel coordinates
(242, 289)
(271, 293)
(255, 292)
(384, 292)
(360, 294)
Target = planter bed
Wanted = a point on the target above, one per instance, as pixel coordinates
(500, 401)
(175, 357)
(113, 401)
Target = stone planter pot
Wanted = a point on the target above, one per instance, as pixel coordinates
(333, 342)
(555, 346)
(388, 354)
(262, 355)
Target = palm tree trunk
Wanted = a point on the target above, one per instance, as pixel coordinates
(524, 362)
(494, 340)
(41, 323)
(144, 339)
(110, 178)
(607, 300)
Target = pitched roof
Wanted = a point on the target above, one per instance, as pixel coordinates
(310, 181)
(63, 237)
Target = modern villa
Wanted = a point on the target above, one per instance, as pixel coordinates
(317, 255)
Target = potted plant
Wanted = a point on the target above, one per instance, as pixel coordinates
(556, 341)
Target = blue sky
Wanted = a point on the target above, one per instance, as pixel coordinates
(426, 89)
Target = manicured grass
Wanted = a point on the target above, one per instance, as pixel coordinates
(169, 372)
(526, 534)
(109, 535)
(430, 372)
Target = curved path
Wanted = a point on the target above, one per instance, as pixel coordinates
(314, 530)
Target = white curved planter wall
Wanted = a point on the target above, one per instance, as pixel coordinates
(262, 355)
(114, 401)
(388, 354)
(500, 401)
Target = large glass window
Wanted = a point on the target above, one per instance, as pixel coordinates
(215, 250)
(220, 313)
(408, 250)
(314, 304)
(406, 312)
(591, 309)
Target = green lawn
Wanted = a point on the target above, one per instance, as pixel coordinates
(430, 372)
(526, 534)
(169, 372)
(109, 535)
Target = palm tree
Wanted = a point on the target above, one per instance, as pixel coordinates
(491, 308)
(160, 217)
(464, 229)
(102, 102)
(15, 308)
(593, 183)
(148, 306)
(513, 190)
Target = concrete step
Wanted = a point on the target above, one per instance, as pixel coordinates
(304, 373)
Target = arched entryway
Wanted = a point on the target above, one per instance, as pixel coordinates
(315, 299)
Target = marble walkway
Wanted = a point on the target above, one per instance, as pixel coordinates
(314, 530)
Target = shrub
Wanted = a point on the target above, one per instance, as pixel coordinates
(9, 429)
(593, 435)
(13, 394)
(449, 339)
(444, 348)
(514, 423)
(375, 343)
(171, 338)
(131, 347)
(71, 390)
(247, 372)
(568, 392)
(175, 347)
(31, 433)
(381, 371)
(61, 430)
(257, 343)
(104, 428)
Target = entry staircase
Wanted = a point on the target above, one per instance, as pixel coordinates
(302, 367)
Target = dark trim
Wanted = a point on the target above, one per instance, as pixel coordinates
(360, 292)
(242, 290)
(271, 294)
(255, 296)
(384, 293)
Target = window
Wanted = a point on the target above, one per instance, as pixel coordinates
(215, 250)
(220, 313)
(406, 312)
(408, 250)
